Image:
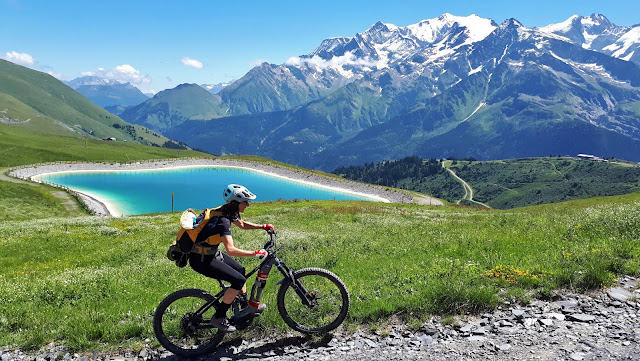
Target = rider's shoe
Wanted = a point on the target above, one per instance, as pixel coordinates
(255, 312)
(223, 324)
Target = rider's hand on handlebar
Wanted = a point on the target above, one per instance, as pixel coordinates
(261, 253)
(268, 227)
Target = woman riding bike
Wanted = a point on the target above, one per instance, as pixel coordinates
(192, 322)
(221, 266)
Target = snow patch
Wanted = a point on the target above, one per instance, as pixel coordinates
(477, 28)
(475, 111)
(612, 47)
(476, 70)
(628, 57)
(588, 39)
(563, 27)
(630, 38)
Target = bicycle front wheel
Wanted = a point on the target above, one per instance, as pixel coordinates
(328, 301)
(181, 326)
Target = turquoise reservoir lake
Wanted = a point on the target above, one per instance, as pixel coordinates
(149, 191)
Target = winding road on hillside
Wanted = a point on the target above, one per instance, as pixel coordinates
(468, 191)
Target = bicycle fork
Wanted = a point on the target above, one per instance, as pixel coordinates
(308, 298)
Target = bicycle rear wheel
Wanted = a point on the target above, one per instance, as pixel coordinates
(328, 296)
(181, 329)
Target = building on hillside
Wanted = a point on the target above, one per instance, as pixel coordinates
(110, 139)
(590, 157)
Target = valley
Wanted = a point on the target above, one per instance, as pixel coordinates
(503, 184)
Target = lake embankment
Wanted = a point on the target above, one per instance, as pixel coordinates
(97, 207)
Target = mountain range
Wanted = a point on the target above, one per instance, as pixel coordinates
(449, 86)
(597, 33)
(109, 94)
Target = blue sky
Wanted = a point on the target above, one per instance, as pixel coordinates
(160, 44)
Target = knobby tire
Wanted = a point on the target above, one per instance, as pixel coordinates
(330, 293)
(173, 319)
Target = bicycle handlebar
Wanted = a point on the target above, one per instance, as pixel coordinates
(272, 240)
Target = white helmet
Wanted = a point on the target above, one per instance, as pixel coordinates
(236, 192)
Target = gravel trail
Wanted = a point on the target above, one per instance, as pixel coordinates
(600, 325)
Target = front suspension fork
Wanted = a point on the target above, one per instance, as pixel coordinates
(305, 296)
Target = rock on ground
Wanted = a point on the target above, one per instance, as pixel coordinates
(602, 325)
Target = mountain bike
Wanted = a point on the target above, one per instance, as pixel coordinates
(309, 300)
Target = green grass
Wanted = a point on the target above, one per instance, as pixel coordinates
(521, 182)
(93, 283)
(506, 184)
(20, 146)
(23, 200)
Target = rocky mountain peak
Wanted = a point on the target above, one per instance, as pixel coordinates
(598, 20)
(597, 33)
(511, 24)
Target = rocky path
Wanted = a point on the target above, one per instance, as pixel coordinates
(602, 325)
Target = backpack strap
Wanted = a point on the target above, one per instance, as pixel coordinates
(209, 213)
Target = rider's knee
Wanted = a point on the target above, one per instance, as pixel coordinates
(238, 284)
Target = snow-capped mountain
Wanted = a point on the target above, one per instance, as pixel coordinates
(409, 52)
(377, 55)
(535, 94)
(449, 86)
(216, 88)
(107, 92)
(597, 33)
(383, 45)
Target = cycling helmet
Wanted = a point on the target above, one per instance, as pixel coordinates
(236, 192)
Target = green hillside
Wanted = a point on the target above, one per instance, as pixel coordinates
(521, 182)
(504, 184)
(170, 108)
(19, 146)
(36, 101)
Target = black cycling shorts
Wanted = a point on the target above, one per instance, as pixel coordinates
(228, 270)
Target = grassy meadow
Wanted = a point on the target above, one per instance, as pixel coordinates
(93, 283)
(21, 146)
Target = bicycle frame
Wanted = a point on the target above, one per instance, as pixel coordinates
(262, 271)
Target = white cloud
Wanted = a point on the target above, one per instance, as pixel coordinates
(347, 59)
(192, 62)
(55, 75)
(20, 58)
(124, 73)
(257, 62)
